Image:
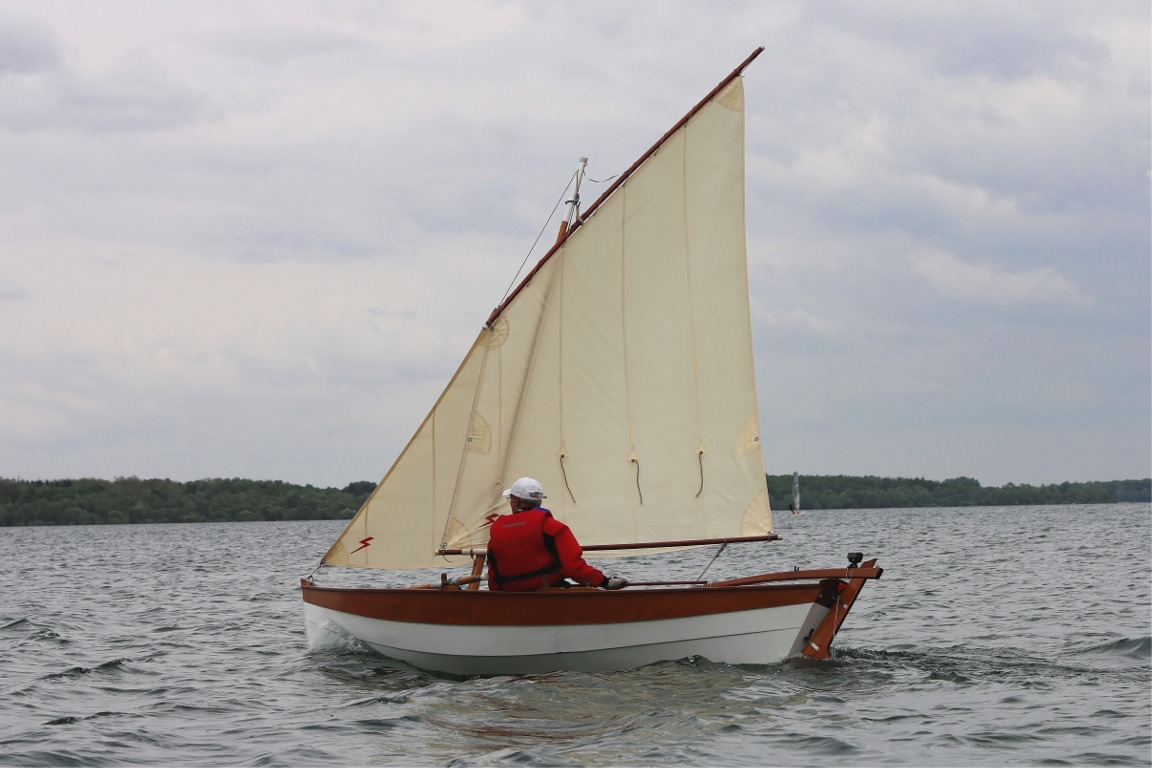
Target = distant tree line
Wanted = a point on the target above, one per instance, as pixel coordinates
(132, 500)
(844, 492)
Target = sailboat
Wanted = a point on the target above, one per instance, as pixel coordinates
(619, 373)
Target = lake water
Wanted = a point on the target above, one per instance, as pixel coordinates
(997, 636)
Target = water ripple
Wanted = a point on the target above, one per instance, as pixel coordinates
(184, 645)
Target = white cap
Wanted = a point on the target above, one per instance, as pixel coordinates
(526, 488)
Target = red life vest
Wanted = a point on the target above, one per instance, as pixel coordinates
(521, 555)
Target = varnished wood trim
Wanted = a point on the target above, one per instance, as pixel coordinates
(480, 552)
(818, 646)
(863, 572)
(558, 607)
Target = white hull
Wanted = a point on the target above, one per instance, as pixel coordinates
(760, 636)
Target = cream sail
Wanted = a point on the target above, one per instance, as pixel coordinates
(620, 375)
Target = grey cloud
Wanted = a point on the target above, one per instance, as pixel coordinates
(282, 44)
(27, 47)
(995, 40)
(404, 173)
(12, 292)
(136, 96)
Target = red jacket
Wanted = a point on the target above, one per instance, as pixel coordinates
(531, 549)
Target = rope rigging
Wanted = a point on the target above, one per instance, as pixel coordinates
(543, 229)
(576, 175)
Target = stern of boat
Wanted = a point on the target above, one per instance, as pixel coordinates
(837, 596)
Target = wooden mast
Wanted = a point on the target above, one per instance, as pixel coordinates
(573, 212)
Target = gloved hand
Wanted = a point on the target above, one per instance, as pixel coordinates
(615, 583)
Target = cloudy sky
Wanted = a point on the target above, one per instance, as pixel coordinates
(254, 239)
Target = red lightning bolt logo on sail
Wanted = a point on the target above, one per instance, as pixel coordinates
(363, 543)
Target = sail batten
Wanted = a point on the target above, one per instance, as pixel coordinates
(618, 373)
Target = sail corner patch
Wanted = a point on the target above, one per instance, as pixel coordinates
(757, 517)
(479, 435)
(498, 334)
(732, 97)
(748, 438)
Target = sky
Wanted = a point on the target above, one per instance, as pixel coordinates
(255, 239)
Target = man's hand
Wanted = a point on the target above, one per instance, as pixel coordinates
(615, 583)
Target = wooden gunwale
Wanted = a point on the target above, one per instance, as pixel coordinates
(867, 571)
(572, 607)
(864, 572)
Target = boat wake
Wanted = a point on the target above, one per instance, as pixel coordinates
(1129, 647)
(330, 636)
(971, 665)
